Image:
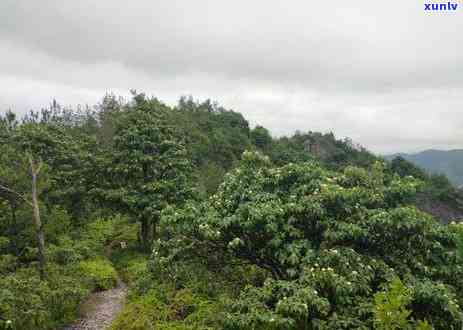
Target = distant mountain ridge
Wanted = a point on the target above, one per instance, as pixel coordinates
(448, 162)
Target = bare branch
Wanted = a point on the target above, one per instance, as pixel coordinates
(35, 167)
(37, 170)
(32, 165)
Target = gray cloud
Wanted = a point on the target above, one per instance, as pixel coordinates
(386, 74)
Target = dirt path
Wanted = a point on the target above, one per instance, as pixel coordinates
(101, 309)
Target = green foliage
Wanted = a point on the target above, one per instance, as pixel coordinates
(8, 263)
(4, 242)
(146, 167)
(332, 152)
(67, 251)
(446, 162)
(287, 150)
(215, 139)
(211, 175)
(162, 308)
(423, 325)
(438, 196)
(101, 273)
(307, 235)
(328, 239)
(441, 188)
(261, 138)
(214, 134)
(57, 223)
(32, 304)
(71, 276)
(104, 233)
(98, 237)
(132, 265)
(391, 308)
(457, 228)
(403, 167)
(391, 312)
(188, 297)
(436, 302)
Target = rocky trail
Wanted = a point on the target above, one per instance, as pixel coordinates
(101, 309)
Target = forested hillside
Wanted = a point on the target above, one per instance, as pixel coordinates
(214, 224)
(448, 162)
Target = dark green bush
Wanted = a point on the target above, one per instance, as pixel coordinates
(8, 263)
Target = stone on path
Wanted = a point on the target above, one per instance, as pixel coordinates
(103, 307)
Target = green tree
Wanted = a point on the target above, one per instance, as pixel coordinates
(30, 144)
(261, 138)
(328, 240)
(403, 167)
(40, 167)
(147, 167)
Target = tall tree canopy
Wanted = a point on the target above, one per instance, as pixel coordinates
(146, 168)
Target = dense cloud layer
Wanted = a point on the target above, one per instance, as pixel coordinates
(387, 74)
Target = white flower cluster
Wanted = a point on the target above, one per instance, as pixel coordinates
(203, 227)
(235, 243)
(208, 231)
(328, 269)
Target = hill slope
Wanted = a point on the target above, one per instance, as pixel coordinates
(448, 162)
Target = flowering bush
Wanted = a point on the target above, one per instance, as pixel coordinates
(329, 242)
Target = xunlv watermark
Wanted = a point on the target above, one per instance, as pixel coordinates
(441, 6)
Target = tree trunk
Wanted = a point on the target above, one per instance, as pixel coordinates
(35, 169)
(146, 235)
(154, 233)
(14, 229)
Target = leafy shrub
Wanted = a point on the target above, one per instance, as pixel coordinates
(131, 264)
(58, 223)
(102, 274)
(4, 242)
(437, 302)
(102, 233)
(32, 304)
(64, 252)
(29, 254)
(8, 263)
(98, 237)
(391, 309)
(164, 308)
(457, 228)
(141, 313)
(328, 241)
(188, 300)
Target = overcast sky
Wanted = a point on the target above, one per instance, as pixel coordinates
(385, 73)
